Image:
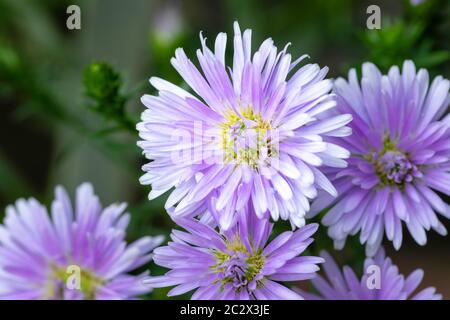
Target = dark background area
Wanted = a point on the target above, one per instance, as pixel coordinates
(55, 129)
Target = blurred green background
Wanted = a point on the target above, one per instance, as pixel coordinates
(69, 99)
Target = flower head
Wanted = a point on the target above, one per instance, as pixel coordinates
(416, 2)
(256, 133)
(77, 253)
(400, 151)
(391, 285)
(239, 264)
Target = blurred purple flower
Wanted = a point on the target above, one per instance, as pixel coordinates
(39, 254)
(253, 134)
(239, 264)
(400, 157)
(416, 2)
(391, 286)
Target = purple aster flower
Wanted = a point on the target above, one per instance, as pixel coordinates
(416, 2)
(391, 285)
(252, 132)
(400, 150)
(239, 264)
(75, 253)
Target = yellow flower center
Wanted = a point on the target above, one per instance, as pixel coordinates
(247, 138)
(62, 279)
(238, 266)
